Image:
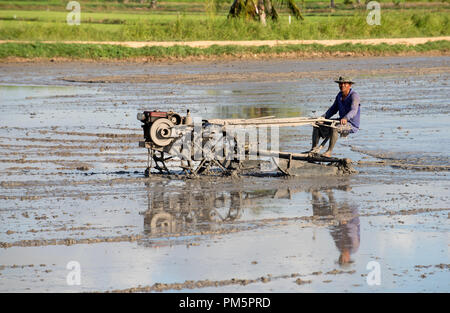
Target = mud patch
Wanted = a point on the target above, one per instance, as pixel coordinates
(232, 77)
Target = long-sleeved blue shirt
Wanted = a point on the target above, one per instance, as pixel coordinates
(349, 108)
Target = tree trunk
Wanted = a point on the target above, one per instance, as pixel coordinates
(152, 4)
(262, 12)
(268, 7)
(332, 5)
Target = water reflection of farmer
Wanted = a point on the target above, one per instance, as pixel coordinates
(346, 231)
(346, 236)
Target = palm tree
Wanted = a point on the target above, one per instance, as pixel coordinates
(259, 9)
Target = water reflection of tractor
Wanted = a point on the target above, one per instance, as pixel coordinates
(186, 212)
(198, 207)
(231, 146)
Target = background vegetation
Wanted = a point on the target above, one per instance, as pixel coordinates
(190, 20)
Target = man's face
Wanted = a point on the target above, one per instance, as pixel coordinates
(344, 87)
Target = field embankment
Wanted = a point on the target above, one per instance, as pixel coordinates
(25, 51)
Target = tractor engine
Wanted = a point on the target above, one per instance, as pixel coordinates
(158, 126)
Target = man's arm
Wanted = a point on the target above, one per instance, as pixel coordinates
(332, 110)
(354, 107)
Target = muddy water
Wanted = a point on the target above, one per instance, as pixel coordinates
(72, 185)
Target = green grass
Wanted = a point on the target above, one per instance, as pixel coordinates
(90, 51)
(198, 5)
(133, 21)
(126, 27)
(60, 17)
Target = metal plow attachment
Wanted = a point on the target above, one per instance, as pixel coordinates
(230, 146)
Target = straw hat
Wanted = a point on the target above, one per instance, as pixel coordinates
(344, 79)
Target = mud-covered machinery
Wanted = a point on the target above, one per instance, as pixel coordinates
(158, 126)
(228, 146)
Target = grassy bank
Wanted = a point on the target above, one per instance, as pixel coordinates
(191, 28)
(113, 52)
(197, 5)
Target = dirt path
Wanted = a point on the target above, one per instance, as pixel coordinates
(205, 44)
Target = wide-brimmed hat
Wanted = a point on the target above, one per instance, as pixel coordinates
(344, 79)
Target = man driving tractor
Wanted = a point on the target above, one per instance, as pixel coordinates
(348, 106)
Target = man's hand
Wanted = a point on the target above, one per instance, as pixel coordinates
(344, 121)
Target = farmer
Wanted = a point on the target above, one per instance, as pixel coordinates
(347, 104)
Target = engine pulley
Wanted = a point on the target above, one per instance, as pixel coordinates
(161, 131)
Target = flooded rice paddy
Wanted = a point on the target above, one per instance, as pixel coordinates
(72, 185)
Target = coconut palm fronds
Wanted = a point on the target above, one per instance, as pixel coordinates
(237, 7)
(294, 9)
(274, 14)
(249, 8)
(245, 8)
